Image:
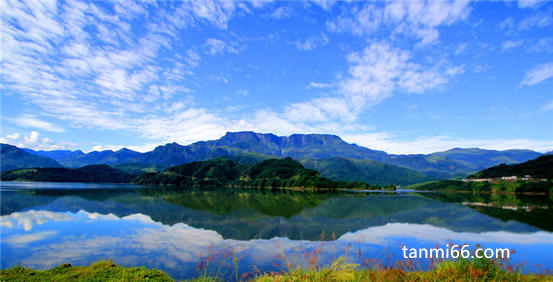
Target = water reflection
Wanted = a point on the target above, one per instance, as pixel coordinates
(175, 229)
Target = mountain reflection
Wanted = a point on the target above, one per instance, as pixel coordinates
(245, 214)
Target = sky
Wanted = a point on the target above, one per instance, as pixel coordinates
(399, 76)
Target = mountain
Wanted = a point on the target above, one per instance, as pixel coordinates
(480, 158)
(12, 158)
(272, 173)
(90, 173)
(368, 171)
(452, 163)
(442, 165)
(78, 158)
(296, 146)
(539, 168)
(61, 156)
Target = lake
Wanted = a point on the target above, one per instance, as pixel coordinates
(188, 231)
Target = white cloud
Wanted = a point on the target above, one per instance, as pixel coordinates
(374, 75)
(120, 85)
(282, 12)
(318, 85)
(538, 74)
(320, 109)
(325, 4)
(542, 45)
(27, 120)
(33, 141)
(530, 3)
(140, 148)
(48, 58)
(312, 43)
(537, 20)
(510, 44)
(380, 70)
(548, 106)
(462, 48)
(243, 92)
(424, 145)
(10, 138)
(185, 127)
(416, 18)
(216, 46)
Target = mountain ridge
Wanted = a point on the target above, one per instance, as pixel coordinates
(12, 157)
(456, 162)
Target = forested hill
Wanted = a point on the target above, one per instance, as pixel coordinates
(541, 167)
(368, 171)
(265, 174)
(89, 173)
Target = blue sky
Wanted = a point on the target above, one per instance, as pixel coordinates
(399, 76)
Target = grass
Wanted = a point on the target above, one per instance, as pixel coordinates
(445, 271)
(101, 271)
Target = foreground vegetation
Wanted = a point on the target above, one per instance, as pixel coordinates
(105, 271)
(460, 270)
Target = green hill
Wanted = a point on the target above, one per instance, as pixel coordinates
(138, 169)
(368, 171)
(89, 173)
(541, 167)
(265, 174)
(12, 158)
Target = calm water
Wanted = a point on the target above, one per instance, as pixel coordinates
(177, 230)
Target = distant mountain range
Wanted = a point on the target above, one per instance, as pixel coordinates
(12, 158)
(329, 154)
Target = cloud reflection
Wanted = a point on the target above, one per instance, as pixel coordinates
(138, 240)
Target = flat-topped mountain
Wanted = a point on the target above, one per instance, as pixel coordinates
(296, 146)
